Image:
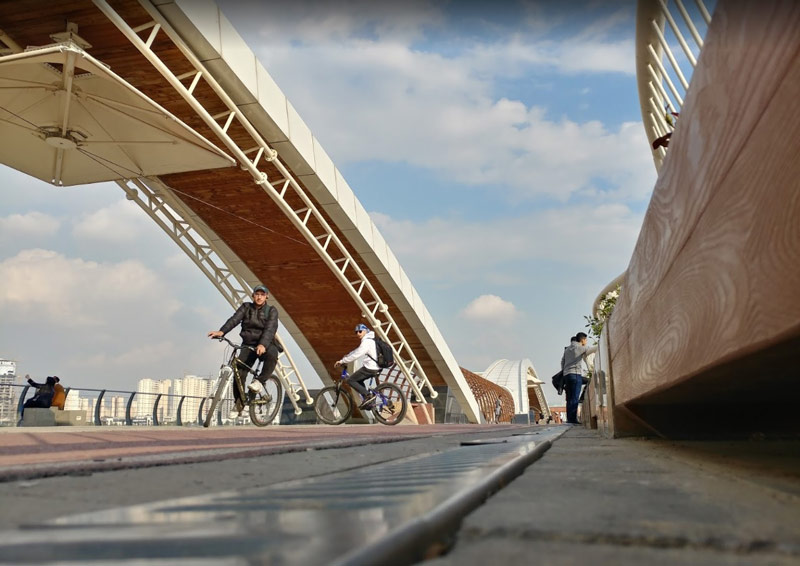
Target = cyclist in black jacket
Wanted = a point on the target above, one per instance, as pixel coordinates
(259, 324)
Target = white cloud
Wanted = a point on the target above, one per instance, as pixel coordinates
(100, 324)
(321, 21)
(491, 309)
(30, 226)
(120, 222)
(395, 104)
(54, 290)
(401, 86)
(577, 237)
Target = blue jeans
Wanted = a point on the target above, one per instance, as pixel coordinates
(573, 384)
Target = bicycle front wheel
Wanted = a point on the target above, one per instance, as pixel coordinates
(267, 402)
(390, 404)
(333, 405)
(225, 374)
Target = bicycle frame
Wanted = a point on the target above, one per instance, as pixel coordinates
(335, 403)
(239, 369)
(371, 389)
(237, 365)
(264, 402)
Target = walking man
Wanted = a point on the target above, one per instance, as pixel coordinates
(572, 365)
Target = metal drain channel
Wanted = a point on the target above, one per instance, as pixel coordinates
(389, 513)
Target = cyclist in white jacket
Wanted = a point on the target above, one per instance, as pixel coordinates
(368, 369)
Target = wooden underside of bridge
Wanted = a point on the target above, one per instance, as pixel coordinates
(706, 333)
(228, 200)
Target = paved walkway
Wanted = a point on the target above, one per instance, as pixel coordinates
(48, 451)
(592, 501)
(588, 500)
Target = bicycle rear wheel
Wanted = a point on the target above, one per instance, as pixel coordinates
(333, 405)
(266, 403)
(224, 375)
(390, 404)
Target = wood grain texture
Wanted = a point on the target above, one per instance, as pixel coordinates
(714, 276)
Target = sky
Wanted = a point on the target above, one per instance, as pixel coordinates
(498, 147)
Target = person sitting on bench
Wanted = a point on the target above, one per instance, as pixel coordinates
(59, 395)
(44, 394)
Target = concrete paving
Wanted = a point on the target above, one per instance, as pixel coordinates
(588, 500)
(78, 470)
(634, 501)
(48, 451)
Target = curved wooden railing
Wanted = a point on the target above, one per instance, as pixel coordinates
(704, 335)
(486, 394)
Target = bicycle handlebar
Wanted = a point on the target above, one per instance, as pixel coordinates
(232, 345)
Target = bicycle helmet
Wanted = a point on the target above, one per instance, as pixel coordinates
(360, 327)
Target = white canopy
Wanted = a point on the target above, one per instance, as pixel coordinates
(67, 119)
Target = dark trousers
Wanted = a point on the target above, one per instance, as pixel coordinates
(357, 380)
(573, 384)
(249, 357)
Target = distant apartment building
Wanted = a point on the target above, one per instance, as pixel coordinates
(117, 408)
(73, 401)
(147, 391)
(8, 393)
(194, 389)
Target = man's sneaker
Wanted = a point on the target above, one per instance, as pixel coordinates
(236, 412)
(368, 400)
(255, 386)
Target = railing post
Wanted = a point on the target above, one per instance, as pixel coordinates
(128, 419)
(155, 410)
(98, 404)
(178, 420)
(200, 411)
(22, 402)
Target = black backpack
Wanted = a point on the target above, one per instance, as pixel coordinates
(559, 382)
(384, 353)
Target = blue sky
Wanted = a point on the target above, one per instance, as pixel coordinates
(499, 150)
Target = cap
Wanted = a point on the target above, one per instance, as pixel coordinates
(360, 327)
(261, 288)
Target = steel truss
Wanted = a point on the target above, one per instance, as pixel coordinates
(196, 240)
(318, 233)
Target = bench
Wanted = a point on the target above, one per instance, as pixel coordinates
(52, 417)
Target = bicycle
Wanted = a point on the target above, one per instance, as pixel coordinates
(263, 405)
(334, 404)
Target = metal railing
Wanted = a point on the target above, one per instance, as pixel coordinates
(662, 27)
(152, 418)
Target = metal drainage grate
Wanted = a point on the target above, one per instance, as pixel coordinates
(379, 514)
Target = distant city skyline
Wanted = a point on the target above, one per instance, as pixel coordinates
(114, 406)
